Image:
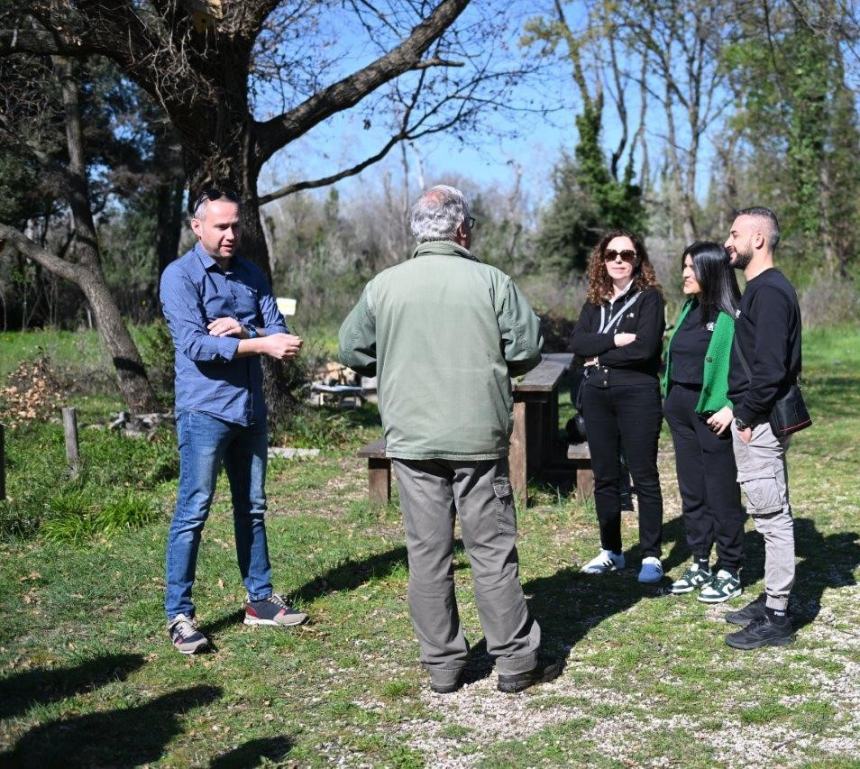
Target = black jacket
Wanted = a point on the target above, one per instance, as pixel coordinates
(635, 363)
(767, 330)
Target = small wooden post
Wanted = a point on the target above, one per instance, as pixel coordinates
(2, 463)
(70, 427)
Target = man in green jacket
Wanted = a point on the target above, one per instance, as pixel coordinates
(444, 333)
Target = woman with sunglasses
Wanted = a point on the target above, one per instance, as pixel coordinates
(699, 414)
(620, 333)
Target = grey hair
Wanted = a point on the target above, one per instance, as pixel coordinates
(760, 212)
(437, 214)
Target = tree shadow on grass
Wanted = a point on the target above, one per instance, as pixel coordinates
(115, 738)
(211, 629)
(568, 604)
(824, 561)
(351, 574)
(252, 753)
(828, 561)
(345, 576)
(21, 691)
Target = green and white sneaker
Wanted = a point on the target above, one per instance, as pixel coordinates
(694, 578)
(721, 588)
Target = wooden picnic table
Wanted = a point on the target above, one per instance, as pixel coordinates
(535, 446)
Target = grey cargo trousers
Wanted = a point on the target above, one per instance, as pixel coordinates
(432, 492)
(763, 475)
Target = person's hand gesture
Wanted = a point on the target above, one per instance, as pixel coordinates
(282, 346)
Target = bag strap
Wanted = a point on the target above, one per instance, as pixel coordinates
(608, 323)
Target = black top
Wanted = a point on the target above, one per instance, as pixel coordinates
(768, 333)
(635, 363)
(689, 347)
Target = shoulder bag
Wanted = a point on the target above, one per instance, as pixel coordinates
(789, 413)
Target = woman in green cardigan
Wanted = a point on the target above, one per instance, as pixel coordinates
(699, 413)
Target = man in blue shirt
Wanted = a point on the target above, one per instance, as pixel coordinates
(222, 317)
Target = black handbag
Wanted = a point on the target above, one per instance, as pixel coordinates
(789, 413)
(575, 426)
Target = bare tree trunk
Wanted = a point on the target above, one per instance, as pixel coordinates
(131, 375)
(831, 259)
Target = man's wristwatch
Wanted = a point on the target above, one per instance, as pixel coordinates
(740, 424)
(250, 331)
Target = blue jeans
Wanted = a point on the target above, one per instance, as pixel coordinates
(204, 444)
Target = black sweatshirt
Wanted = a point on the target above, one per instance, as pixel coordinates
(635, 363)
(768, 332)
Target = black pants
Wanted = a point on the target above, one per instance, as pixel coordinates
(625, 417)
(707, 479)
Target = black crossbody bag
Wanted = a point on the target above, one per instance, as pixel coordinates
(789, 413)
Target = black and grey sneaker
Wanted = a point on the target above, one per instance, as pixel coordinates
(769, 630)
(273, 610)
(694, 578)
(185, 636)
(750, 612)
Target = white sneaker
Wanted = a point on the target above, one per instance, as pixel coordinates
(651, 571)
(603, 563)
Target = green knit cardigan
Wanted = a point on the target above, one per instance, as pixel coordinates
(715, 379)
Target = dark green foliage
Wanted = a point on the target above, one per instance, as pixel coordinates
(19, 183)
(588, 201)
(798, 118)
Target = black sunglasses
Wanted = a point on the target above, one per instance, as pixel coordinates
(626, 255)
(212, 194)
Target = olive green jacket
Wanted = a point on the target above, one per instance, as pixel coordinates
(443, 333)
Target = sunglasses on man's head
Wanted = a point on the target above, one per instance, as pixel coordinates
(626, 255)
(212, 194)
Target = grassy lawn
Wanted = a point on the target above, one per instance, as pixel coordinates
(88, 677)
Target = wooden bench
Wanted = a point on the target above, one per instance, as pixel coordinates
(534, 440)
(579, 454)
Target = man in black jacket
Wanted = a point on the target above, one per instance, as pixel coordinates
(766, 361)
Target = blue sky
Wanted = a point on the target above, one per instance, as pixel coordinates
(486, 157)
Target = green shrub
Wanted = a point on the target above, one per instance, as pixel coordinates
(76, 518)
(829, 301)
(113, 492)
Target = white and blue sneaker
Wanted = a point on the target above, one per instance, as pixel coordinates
(651, 571)
(604, 562)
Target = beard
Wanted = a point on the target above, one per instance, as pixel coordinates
(742, 258)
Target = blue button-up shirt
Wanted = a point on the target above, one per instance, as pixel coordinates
(209, 377)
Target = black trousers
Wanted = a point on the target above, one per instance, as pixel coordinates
(707, 479)
(625, 417)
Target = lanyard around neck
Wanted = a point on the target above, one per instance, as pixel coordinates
(606, 323)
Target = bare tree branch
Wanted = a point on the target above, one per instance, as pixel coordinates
(51, 262)
(275, 133)
(290, 189)
(437, 62)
